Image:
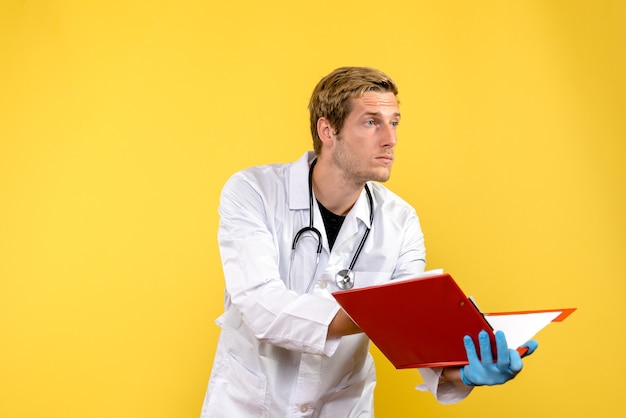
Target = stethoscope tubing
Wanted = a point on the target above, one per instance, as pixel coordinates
(344, 278)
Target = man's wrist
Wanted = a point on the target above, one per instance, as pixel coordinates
(451, 374)
(464, 378)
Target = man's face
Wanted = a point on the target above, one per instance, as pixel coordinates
(364, 149)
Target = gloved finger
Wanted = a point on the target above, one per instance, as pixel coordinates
(503, 358)
(470, 349)
(531, 345)
(486, 356)
(515, 362)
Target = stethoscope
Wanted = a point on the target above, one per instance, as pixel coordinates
(344, 278)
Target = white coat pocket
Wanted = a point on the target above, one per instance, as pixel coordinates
(238, 392)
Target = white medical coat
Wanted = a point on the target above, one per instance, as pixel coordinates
(273, 358)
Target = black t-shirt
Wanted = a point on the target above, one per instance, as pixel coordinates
(332, 223)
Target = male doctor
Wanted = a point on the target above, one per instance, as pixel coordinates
(290, 235)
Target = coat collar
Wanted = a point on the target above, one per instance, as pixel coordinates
(299, 182)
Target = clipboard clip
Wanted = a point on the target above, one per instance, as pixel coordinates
(473, 302)
(523, 351)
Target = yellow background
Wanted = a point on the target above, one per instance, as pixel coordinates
(120, 121)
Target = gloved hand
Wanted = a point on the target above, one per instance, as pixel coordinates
(485, 371)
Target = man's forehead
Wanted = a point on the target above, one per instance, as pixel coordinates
(375, 98)
(376, 102)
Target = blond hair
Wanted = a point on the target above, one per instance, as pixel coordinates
(332, 97)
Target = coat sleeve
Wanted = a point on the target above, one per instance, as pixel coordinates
(412, 256)
(444, 391)
(250, 257)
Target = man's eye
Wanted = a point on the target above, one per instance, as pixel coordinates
(370, 123)
(395, 124)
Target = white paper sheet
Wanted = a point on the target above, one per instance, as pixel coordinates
(521, 327)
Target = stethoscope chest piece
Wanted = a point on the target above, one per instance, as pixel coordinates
(345, 279)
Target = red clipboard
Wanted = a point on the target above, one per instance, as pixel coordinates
(418, 322)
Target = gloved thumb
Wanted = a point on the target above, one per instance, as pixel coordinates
(531, 346)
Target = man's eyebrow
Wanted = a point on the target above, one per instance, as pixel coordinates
(396, 114)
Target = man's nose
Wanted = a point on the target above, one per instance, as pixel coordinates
(389, 136)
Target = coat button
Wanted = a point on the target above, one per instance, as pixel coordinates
(304, 408)
(323, 285)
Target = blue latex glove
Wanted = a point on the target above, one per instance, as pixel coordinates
(531, 346)
(485, 371)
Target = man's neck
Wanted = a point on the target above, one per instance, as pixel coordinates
(332, 189)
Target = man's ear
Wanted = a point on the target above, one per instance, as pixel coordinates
(325, 131)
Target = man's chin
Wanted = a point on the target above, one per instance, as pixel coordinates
(382, 177)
